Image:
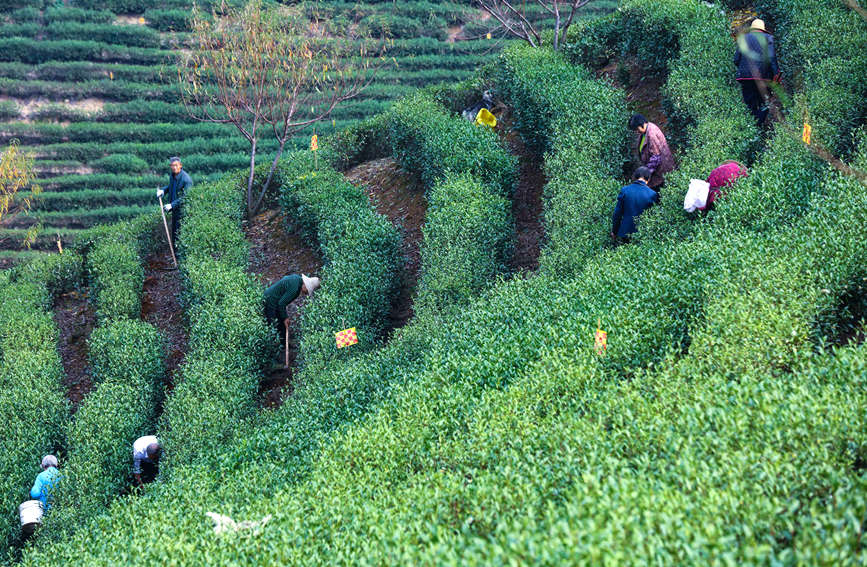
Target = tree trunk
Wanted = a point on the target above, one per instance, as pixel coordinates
(270, 175)
(250, 210)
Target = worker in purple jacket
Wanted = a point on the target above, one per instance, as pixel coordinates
(653, 150)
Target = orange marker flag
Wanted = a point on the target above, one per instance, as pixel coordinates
(346, 337)
(488, 35)
(314, 143)
(601, 339)
(805, 135)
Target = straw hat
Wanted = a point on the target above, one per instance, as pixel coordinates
(310, 283)
(758, 25)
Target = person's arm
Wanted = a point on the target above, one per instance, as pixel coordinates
(136, 469)
(36, 491)
(282, 304)
(617, 217)
(772, 55)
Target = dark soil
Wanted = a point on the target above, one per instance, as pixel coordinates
(642, 90)
(75, 320)
(398, 196)
(274, 252)
(161, 308)
(527, 205)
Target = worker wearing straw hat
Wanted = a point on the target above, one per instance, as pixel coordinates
(756, 62)
(279, 295)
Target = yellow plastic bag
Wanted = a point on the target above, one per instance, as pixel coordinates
(485, 118)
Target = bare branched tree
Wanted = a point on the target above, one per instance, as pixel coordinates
(273, 70)
(519, 21)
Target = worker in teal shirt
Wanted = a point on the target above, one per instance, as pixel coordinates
(43, 487)
(281, 294)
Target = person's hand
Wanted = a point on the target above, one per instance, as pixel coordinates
(778, 78)
(286, 323)
(613, 237)
(160, 193)
(167, 207)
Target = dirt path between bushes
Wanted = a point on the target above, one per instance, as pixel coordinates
(75, 320)
(275, 252)
(527, 207)
(160, 306)
(399, 196)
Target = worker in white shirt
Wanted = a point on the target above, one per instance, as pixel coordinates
(145, 459)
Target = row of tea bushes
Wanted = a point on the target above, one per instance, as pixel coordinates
(580, 124)
(362, 258)
(33, 407)
(228, 338)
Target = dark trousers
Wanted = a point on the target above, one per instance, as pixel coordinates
(176, 221)
(754, 100)
(149, 471)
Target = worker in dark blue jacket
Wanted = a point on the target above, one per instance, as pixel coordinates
(756, 61)
(179, 182)
(631, 202)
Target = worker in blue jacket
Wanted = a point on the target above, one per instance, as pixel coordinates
(633, 200)
(179, 182)
(43, 486)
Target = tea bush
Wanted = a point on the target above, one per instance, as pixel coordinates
(466, 243)
(33, 408)
(362, 259)
(121, 163)
(585, 144)
(227, 335)
(73, 14)
(41, 51)
(127, 368)
(426, 140)
(472, 448)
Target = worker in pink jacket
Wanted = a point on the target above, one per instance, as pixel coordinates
(653, 150)
(726, 174)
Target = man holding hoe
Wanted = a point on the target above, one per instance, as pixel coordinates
(179, 182)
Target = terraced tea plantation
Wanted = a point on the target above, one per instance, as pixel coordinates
(479, 418)
(90, 87)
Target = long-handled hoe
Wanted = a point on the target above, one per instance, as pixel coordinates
(286, 363)
(168, 234)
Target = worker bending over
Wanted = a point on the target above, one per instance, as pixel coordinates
(43, 486)
(281, 294)
(145, 459)
(633, 200)
(653, 150)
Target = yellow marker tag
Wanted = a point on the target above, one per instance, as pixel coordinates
(601, 341)
(314, 143)
(488, 35)
(141, 20)
(110, 75)
(346, 337)
(805, 135)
